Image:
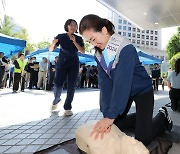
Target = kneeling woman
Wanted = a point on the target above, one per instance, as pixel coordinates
(122, 80)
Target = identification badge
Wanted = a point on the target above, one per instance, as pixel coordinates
(109, 53)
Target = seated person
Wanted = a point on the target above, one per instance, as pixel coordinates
(173, 82)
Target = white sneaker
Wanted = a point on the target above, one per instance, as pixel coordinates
(68, 113)
(54, 107)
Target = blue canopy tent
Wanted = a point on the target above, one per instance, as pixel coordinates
(10, 45)
(89, 59)
(148, 59)
(39, 54)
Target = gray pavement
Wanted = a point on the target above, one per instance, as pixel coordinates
(27, 125)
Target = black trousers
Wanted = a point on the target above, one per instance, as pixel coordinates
(2, 71)
(51, 80)
(66, 71)
(174, 95)
(33, 79)
(83, 80)
(146, 127)
(18, 80)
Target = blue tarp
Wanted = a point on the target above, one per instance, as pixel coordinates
(89, 59)
(10, 45)
(148, 59)
(83, 58)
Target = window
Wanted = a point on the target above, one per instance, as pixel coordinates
(129, 28)
(124, 27)
(142, 36)
(147, 42)
(142, 42)
(134, 29)
(138, 41)
(129, 39)
(143, 31)
(156, 32)
(156, 38)
(133, 41)
(129, 34)
(151, 37)
(147, 36)
(151, 43)
(120, 21)
(156, 44)
(124, 33)
(120, 27)
(119, 33)
(134, 35)
(147, 31)
(138, 35)
(124, 21)
(138, 30)
(129, 23)
(152, 31)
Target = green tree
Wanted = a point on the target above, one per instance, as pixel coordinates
(173, 46)
(173, 60)
(7, 26)
(43, 44)
(22, 34)
(87, 46)
(30, 47)
(11, 29)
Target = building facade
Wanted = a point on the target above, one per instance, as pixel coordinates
(148, 41)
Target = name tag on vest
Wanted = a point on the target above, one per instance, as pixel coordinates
(109, 53)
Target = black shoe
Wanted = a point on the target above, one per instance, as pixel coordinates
(22, 90)
(168, 104)
(169, 122)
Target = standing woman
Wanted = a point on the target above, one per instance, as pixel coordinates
(173, 82)
(122, 80)
(67, 67)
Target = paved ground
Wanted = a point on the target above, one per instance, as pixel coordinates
(27, 125)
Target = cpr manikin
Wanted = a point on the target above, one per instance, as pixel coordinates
(114, 142)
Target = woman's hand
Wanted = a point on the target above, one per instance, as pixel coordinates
(53, 45)
(80, 48)
(54, 41)
(72, 37)
(101, 127)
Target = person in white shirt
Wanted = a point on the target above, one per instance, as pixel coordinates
(173, 82)
(42, 73)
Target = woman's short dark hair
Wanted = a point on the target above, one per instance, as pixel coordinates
(21, 54)
(96, 23)
(177, 66)
(68, 22)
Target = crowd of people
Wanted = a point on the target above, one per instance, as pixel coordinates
(40, 75)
